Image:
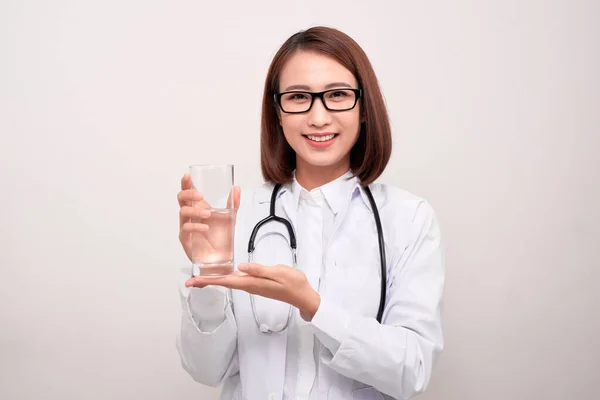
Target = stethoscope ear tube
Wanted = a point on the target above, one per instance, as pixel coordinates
(273, 217)
(381, 254)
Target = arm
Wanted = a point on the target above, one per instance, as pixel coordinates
(207, 341)
(397, 356)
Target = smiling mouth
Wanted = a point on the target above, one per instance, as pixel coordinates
(322, 138)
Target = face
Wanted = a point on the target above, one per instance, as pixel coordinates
(306, 133)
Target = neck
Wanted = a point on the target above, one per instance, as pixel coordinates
(312, 176)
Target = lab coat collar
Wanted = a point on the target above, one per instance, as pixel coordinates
(336, 198)
(365, 199)
(337, 193)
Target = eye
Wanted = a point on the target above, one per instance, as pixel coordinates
(339, 94)
(296, 97)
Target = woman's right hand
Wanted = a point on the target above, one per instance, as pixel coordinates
(192, 209)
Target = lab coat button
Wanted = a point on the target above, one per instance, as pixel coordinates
(272, 396)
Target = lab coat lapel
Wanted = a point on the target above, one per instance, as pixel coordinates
(289, 205)
(289, 202)
(341, 215)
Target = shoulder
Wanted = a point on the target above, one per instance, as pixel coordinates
(407, 219)
(401, 206)
(256, 194)
(255, 198)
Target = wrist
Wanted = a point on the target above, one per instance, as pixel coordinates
(311, 302)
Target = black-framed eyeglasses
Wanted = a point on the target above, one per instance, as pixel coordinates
(296, 102)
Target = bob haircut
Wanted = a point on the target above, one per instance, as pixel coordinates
(371, 153)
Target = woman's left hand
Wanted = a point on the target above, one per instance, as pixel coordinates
(280, 282)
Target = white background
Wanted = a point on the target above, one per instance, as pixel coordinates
(495, 109)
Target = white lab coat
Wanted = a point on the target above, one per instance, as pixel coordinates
(219, 342)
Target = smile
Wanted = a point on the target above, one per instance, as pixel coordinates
(321, 138)
(320, 141)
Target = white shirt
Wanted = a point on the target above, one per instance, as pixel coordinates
(315, 223)
(343, 352)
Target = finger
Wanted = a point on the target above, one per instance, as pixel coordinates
(193, 214)
(186, 182)
(201, 281)
(187, 197)
(193, 227)
(259, 270)
(236, 192)
(193, 283)
(187, 212)
(247, 283)
(211, 279)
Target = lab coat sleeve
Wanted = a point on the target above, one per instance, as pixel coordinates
(397, 356)
(207, 341)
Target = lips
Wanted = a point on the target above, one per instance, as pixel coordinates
(321, 140)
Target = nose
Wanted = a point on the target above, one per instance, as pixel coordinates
(318, 115)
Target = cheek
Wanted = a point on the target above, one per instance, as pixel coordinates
(351, 123)
(291, 124)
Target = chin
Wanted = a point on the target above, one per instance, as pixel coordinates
(322, 161)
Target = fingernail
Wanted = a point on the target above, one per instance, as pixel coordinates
(197, 196)
(243, 267)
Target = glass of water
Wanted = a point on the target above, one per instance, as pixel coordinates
(212, 250)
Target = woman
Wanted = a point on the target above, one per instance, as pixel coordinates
(325, 137)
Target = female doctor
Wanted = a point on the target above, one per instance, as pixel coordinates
(325, 325)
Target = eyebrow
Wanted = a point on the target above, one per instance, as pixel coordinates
(329, 86)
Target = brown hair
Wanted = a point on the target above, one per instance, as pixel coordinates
(372, 151)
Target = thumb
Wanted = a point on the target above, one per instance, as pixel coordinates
(186, 182)
(235, 195)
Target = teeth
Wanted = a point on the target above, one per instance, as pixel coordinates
(321, 138)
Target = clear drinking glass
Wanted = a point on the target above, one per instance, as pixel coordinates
(212, 251)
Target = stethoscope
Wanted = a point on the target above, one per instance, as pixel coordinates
(292, 243)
